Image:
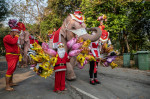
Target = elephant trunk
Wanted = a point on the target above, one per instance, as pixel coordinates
(95, 37)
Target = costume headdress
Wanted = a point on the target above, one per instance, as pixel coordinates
(103, 17)
(76, 16)
(12, 23)
(15, 29)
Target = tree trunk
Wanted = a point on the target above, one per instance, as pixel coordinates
(136, 47)
(126, 41)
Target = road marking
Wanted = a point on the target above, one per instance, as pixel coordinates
(81, 91)
(85, 93)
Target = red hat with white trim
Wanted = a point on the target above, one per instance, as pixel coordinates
(77, 12)
(59, 44)
(14, 29)
(76, 16)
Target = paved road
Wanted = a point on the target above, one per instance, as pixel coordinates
(119, 83)
(114, 85)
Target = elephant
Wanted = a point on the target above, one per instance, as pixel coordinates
(66, 34)
(24, 44)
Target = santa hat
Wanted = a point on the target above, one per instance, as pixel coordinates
(14, 29)
(77, 12)
(76, 16)
(59, 44)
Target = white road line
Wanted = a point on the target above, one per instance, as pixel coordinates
(85, 93)
(81, 91)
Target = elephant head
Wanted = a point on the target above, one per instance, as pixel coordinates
(70, 26)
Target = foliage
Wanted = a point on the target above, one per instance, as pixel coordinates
(124, 19)
(139, 25)
(3, 31)
(57, 12)
(127, 21)
(3, 10)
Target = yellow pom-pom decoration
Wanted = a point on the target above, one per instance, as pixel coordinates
(80, 40)
(20, 58)
(43, 59)
(53, 60)
(80, 59)
(85, 50)
(89, 57)
(113, 65)
(36, 58)
(86, 43)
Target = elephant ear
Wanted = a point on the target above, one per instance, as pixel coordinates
(63, 33)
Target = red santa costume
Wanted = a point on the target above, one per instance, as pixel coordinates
(60, 68)
(94, 64)
(12, 52)
(21, 25)
(105, 35)
(104, 38)
(33, 40)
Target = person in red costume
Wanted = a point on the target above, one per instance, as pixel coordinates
(33, 39)
(60, 68)
(94, 64)
(12, 56)
(105, 35)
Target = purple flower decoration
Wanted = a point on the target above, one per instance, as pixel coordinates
(12, 23)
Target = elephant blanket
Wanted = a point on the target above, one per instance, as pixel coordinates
(56, 38)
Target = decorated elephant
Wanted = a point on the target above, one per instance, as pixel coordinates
(73, 26)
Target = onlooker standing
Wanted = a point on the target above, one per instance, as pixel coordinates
(94, 64)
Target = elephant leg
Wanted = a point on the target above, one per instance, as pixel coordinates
(73, 61)
(70, 75)
(70, 72)
(25, 57)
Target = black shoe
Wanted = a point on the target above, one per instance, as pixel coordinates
(92, 82)
(96, 81)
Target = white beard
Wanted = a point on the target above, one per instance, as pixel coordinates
(61, 52)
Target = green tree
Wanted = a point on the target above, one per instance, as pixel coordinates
(3, 10)
(122, 16)
(139, 26)
(3, 32)
(56, 12)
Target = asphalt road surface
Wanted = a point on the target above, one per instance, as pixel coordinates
(119, 83)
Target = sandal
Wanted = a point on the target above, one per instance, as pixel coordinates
(13, 84)
(58, 91)
(65, 89)
(9, 89)
(97, 82)
(92, 82)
